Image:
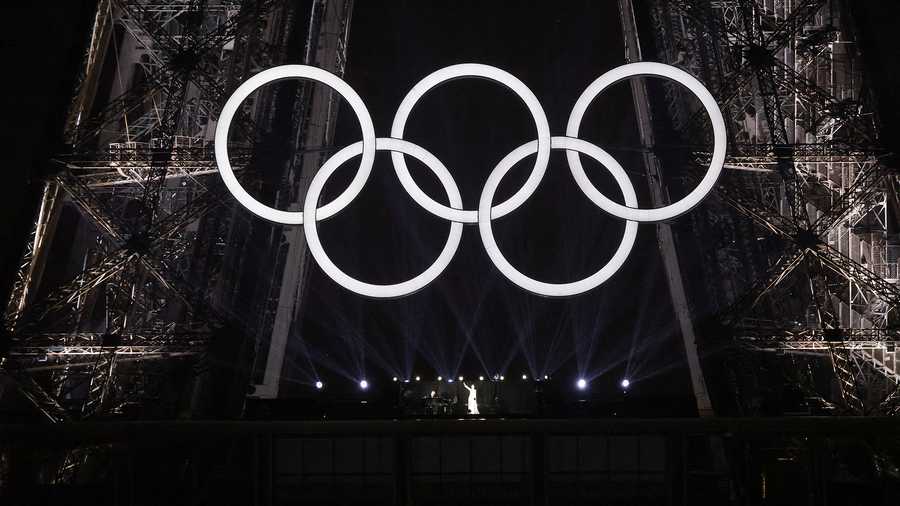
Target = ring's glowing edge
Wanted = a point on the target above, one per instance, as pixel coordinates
(310, 229)
(533, 285)
(293, 72)
(484, 72)
(693, 198)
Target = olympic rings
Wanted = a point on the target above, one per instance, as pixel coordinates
(486, 210)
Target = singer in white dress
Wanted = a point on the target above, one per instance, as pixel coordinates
(473, 402)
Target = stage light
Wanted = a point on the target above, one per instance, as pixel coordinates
(481, 378)
(625, 382)
(546, 377)
(394, 378)
(319, 385)
(524, 376)
(440, 378)
(582, 384)
(449, 380)
(502, 378)
(364, 384)
(418, 378)
(460, 378)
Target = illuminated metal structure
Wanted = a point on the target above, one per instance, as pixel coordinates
(806, 266)
(159, 254)
(138, 314)
(810, 186)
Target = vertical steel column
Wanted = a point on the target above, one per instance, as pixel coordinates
(664, 232)
(328, 32)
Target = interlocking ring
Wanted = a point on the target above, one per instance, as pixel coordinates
(539, 287)
(630, 212)
(332, 271)
(483, 72)
(715, 165)
(279, 74)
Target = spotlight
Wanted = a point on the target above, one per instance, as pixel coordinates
(449, 380)
(440, 378)
(481, 378)
(460, 378)
(319, 385)
(625, 382)
(546, 377)
(394, 378)
(582, 384)
(364, 384)
(502, 378)
(524, 376)
(418, 378)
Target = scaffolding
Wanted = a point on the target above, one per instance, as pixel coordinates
(132, 314)
(807, 171)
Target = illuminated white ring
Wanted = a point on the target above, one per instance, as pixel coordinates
(486, 72)
(277, 74)
(372, 290)
(630, 211)
(533, 285)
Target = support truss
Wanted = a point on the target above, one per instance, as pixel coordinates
(806, 170)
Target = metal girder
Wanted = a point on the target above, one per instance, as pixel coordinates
(153, 242)
(46, 404)
(858, 194)
(30, 270)
(98, 387)
(60, 352)
(794, 23)
(129, 165)
(843, 371)
(100, 215)
(764, 216)
(173, 60)
(775, 275)
(834, 259)
(132, 252)
(66, 294)
(829, 186)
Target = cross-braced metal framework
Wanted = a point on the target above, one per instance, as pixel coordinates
(807, 171)
(133, 305)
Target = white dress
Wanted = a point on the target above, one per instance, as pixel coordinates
(472, 403)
